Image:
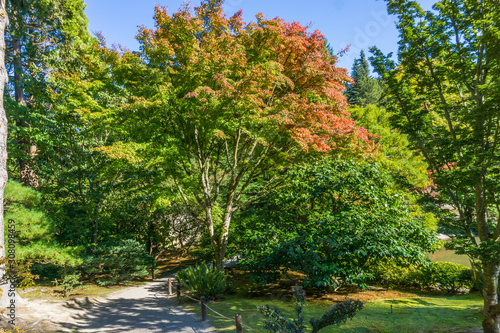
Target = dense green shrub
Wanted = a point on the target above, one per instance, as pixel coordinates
(203, 281)
(391, 275)
(330, 221)
(446, 276)
(36, 245)
(339, 313)
(69, 283)
(115, 262)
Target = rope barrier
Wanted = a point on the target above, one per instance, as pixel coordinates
(191, 298)
(231, 319)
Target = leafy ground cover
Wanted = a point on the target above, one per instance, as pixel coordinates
(412, 312)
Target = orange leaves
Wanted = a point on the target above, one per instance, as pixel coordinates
(267, 71)
(318, 126)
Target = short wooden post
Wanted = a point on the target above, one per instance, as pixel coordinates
(391, 309)
(180, 264)
(152, 273)
(203, 309)
(170, 286)
(239, 323)
(178, 294)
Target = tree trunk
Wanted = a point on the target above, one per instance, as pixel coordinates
(219, 258)
(221, 251)
(490, 294)
(4, 21)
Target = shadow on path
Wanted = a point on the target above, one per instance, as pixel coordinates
(147, 308)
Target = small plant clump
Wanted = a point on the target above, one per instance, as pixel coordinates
(203, 281)
(338, 314)
(277, 322)
(69, 283)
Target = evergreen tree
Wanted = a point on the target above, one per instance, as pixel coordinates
(365, 90)
(40, 37)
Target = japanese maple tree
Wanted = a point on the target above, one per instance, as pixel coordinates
(217, 106)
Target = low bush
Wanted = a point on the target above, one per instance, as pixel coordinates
(203, 281)
(392, 275)
(36, 243)
(275, 321)
(338, 314)
(444, 276)
(115, 262)
(69, 283)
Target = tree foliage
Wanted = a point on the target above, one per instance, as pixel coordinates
(396, 154)
(226, 104)
(445, 91)
(330, 222)
(41, 36)
(364, 89)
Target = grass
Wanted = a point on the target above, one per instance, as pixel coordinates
(412, 312)
(460, 313)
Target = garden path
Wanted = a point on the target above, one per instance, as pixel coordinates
(143, 309)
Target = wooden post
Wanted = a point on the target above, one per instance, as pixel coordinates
(203, 309)
(152, 273)
(180, 264)
(170, 286)
(178, 294)
(391, 309)
(239, 323)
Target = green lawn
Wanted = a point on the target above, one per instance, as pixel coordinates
(458, 313)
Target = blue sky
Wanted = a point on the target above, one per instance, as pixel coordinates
(359, 23)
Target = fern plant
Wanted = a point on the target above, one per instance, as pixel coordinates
(202, 281)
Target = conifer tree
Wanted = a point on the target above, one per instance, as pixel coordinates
(39, 37)
(366, 89)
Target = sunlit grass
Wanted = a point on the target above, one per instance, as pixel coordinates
(424, 313)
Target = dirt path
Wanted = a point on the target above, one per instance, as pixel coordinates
(142, 309)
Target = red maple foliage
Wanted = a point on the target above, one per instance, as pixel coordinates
(267, 71)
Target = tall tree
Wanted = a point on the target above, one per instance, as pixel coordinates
(227, 103)
(365, 89)
(446, 92)
(396, 154)
(41, 33)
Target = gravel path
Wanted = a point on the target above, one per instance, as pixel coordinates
(143, 309)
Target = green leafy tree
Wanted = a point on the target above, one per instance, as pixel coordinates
(445, 90)
(396, 154)
(331, 221)
(226, 105)
(365, 89)
(40, 37)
